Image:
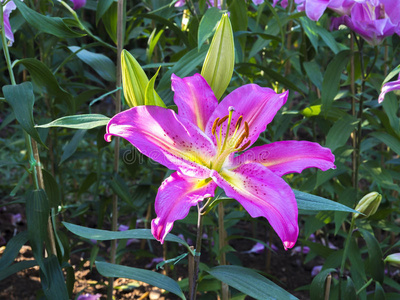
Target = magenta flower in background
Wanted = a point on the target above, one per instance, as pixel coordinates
(202, 143)
(373, 19)
(78, 3)
(315, 8)
(88, 296)
(7, 9)
(388, 87)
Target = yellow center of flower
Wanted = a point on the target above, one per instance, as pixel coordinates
(228, 144)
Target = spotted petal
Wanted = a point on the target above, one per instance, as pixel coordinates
(289, 157)
(195, 99)
(174, 198)
(263, 194)
(257, 106)
(165, 137)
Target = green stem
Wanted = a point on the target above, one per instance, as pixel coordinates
(120, 45)
(344, 257)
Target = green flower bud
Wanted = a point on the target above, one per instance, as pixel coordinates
(368, 205)
(393, 259)
(134, 80)
(220, 60)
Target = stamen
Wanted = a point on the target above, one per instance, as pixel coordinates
(244, 146)
(246, 129)
(214, 127)
(222, 120)
(239, 141)
(238, 122)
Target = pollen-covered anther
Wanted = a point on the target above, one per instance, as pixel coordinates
(238, 122)
(244, 146)
(246, 129)
(240, 140)
(220, 122)
(214, 127)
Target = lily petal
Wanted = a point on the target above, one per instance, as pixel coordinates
(257, 106)
(263, 194)
(289, 157)
(388, 87)
(315, 8)
(165, 137)
(194, 98)
(78, 3)
(174, 198)
(7, 9)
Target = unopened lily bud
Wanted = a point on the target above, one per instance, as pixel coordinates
(219, 63)
(393, 259)
(368, 205)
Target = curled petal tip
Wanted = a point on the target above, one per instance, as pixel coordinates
(157, 230)
(107, 137)
(288, 244)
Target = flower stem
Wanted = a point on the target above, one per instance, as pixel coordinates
(33, 152)
(221, 235)
(120, 45)
(194, 260)
(346, 249)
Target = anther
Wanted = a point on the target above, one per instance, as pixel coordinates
(244, 146)
(214, 127)
(222, 120)
(246, 129)
(239, 122)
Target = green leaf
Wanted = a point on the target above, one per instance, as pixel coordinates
(340, 132)
(21, 99)
(249, 282)
(311, 31)
(105, 235)
(70, 148)
(88, 121)
(51, 25)
(314, 73)
(374, 265)
(54, 285)
(51, 188)
(379, 292)
(317, 288)
(150, 277)
(102, 7)
(391, 106)
(208, 24)
(16, 268)
(110, 19)
(152, 42)
(389, 140)
(349, 289)
(184, 66)
(44, 78)
(103, 65)
(392, 73)
(12, 249)
(328, 38)
(330, 84)
(310, 202)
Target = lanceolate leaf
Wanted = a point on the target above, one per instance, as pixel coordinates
(330, 84)
(208, 24)
(250, 282)
(105, 235)
(89, 121)
(51, 25)
(102, 7)
(340, 132)
(103, 65)
(16, 268)
(12, 249)
(150, 277)
(21, 99)
(310, 202)
(43, 77)
(317, 289)
(375, 264)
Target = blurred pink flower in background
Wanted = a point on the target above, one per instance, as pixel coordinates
(388, 87)
(79, 3)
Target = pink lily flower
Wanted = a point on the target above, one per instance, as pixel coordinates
(78, 3)
(315, 8)
(7, 9)
(202, 143)
(373, 19)
(388, 87)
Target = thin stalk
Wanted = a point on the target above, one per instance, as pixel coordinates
(344, 257)
(194, 260)
(221, 235)
(31, 145)
(328, 287)
(120, 45)
(353, 112)
(365, 286)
